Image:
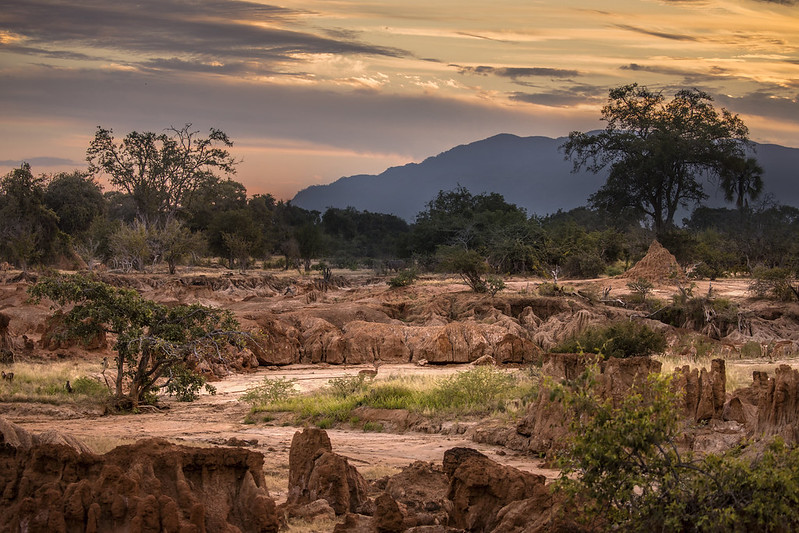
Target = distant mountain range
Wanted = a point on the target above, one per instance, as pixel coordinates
(528, 171)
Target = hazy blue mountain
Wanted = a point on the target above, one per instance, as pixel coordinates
(528, 171)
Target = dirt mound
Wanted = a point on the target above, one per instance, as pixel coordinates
(657, 266)
(149, 486)
(17, 437)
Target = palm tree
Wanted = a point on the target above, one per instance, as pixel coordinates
(742, 179)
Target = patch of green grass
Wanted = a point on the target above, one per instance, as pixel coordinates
(324, 423)
(481, 390)
(47, 383)
(373, 427)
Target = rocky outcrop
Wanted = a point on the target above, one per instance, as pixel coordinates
(479, 488)
(276, 342)
(149, 486)
(421, 489)
(545, 426)
(778, 406)
(54, 336)
(703, 391)
(316, 472)
(304, 337)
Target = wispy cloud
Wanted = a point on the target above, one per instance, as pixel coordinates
(159, 31)
(658, 33)
(515, 73)
(567, 97)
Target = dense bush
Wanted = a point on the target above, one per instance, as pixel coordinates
(776, 282)
(624, 472)
(699, 314)
(621, 339)
(404, 278)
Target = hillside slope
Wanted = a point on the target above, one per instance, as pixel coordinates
(528, 171)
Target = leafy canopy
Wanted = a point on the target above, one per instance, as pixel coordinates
(657, 149)
(153, 341)
(160, 171)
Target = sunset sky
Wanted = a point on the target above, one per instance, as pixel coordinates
(311, 91)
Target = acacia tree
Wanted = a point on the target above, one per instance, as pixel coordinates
(152, 340)
(656, 151)
(160, 171)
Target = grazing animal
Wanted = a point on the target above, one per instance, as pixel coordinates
(782, 348)
(9, 376)
(68, 387)
(370, 373)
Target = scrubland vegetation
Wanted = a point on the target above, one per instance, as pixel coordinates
(169, 208)
(480, 391)
(623, 469)
(174, 202)
(48, 384)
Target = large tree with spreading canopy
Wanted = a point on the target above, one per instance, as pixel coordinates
(160, 171)
(657, 151)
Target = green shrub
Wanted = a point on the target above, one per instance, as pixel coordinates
(324, 423)
(373, 427)
(390, 396)
(480, 387)
(585, 265)
(494, 284)
(404, 278)
(270, 391)
(623, 471)
(641, 286)
(776, 282)
(89, 387)
(185, 385)
(347, 385)
(620, 339)
(692, 312)
(614, 270)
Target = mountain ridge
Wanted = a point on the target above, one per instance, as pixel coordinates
(530, 172)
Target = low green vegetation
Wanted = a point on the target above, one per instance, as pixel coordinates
(481, 390)
(404, 278)
(47, 383)
(776, 282)
(624, 472)
(620, 339)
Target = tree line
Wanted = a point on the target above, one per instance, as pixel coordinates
(173, 199)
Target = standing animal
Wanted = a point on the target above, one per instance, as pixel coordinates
(9, 376)
(68, 387)
(370, 373)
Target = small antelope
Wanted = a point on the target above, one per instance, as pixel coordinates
(728, 348)
(9, 376)
(370, 373)
(782, 348)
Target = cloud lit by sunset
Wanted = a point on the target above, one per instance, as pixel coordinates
(311, 91)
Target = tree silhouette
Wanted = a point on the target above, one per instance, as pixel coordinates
(656, 151)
